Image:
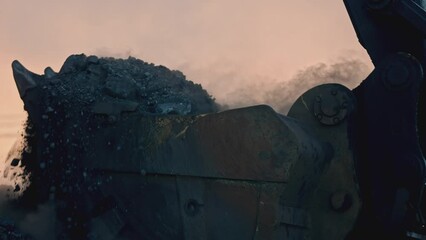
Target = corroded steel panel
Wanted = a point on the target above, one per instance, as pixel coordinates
(336, 203)
(247, 144)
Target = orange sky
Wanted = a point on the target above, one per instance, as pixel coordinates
(218, 43)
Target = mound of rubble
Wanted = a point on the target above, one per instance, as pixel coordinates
(141, 86)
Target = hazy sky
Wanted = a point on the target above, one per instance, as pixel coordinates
(221, 44)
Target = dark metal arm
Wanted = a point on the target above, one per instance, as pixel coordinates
(385, 27)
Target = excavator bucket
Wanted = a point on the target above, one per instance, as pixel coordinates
(115, 170)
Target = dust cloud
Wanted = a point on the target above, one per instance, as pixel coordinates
(239, 90)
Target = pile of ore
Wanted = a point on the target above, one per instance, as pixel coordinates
(156, 89)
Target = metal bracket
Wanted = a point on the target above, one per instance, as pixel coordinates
(331, 108)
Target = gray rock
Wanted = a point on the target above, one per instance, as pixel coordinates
(73, 63)
(49, 73)
(93, 59)
(174, 108)
(114, 108)
(123, 88)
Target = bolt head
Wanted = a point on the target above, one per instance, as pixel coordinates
(397, 75)
(340, 201)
